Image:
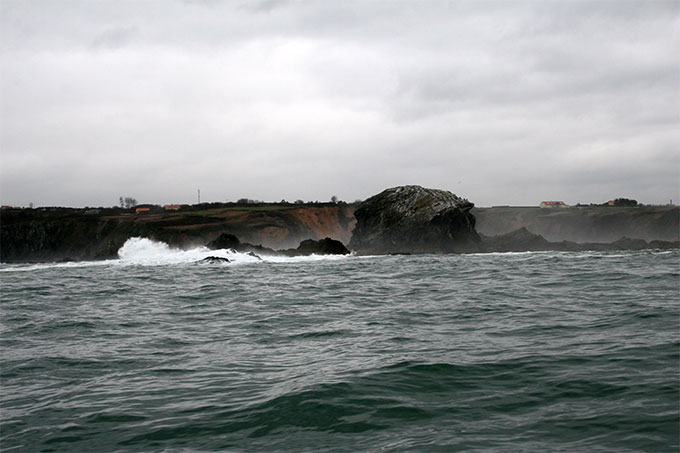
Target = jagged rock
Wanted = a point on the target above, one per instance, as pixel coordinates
(213, 260)
(413, 219)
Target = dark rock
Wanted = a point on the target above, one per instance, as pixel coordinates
(630, 244)
(213, 260)
(325, 246)
(412, 219)
(256, 250)
(224, 241)
(229, 241)
(665, 244)
(522, 240)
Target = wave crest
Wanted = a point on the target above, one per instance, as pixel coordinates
(144, 251)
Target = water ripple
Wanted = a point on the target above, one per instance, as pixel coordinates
(485, 352)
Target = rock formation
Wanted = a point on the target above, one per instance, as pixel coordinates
(224, 241)
(213, 260)
(522, 240)
(326, 246)
(230, 241)
(413, 219)
(407, 220)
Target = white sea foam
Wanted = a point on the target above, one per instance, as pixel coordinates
(39, 266)
(149, 252)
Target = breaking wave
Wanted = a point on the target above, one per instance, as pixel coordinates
(145, 251)
(148, 252)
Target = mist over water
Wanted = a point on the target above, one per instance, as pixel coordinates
(513, 352)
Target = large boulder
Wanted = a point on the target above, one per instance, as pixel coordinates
(325, 246)
(413, 219)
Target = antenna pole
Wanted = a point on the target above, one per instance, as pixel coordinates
(199, 196)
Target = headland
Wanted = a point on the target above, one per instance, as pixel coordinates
(404, 219)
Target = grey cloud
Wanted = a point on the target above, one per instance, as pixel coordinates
(274, 100)
(115, 38)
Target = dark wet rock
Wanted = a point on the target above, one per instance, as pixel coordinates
(255, 249)
(230, 241)
(413, 219)
(224, 241)
(213, 260)
(325, 246)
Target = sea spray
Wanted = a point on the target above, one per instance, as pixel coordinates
(144, 251)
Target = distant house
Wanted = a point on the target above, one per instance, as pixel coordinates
(553, 204)
(171, 207)
(611, 202)
(138, 210)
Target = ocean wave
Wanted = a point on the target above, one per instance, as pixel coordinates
(388, 353)
(149, 252)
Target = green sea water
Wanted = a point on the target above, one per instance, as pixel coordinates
(490, 352)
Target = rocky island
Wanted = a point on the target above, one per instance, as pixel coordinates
(413, 219)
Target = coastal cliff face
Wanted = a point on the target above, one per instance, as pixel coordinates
(407, 219)
(583, 224)
(413, 219)
(55, 234)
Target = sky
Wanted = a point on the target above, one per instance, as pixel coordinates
(503, 103)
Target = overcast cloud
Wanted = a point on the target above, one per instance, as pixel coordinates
(499, 102)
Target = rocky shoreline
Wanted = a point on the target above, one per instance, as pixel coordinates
(399, 220)
(412, 219)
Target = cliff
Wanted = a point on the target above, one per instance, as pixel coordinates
(54, 234)
(413, 219)
(583, 224)
(522, 240)
(408, 219)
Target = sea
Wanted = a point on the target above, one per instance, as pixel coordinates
(516, 352)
